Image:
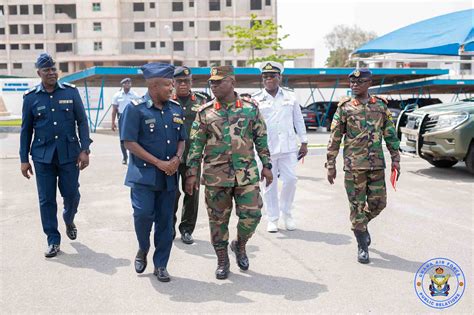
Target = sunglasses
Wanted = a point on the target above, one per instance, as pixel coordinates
(358, 81)
(182, 81)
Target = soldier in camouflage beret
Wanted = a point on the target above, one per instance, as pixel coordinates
(227, 129)
(363, 121)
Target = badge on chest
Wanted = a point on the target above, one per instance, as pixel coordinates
(177, 120)
(151, 124)
(65, 101)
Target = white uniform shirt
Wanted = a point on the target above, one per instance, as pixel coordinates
(121, 99)
(282, 115)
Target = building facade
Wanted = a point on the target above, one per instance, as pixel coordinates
(83, 33)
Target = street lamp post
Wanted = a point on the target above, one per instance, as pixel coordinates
(170, 34)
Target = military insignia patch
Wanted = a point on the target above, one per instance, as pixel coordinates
(177, 120)
(268, 66)
(186, 71)
(41, 107)
(150, 121)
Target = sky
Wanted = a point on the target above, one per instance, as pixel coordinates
(308, 21)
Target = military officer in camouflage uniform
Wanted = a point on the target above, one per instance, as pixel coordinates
(190, 102)
(227, 129)
(363, 121)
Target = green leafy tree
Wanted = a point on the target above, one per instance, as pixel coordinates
(343, 40)
(261, 35)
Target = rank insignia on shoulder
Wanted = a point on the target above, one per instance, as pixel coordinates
(137, 101)
(344, 100)
(29, 91)
(69, 84)
(177, 120)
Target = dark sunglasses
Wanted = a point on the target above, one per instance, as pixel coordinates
(358, 81)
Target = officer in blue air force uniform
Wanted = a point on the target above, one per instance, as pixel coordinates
(154, 134)
(52, 110)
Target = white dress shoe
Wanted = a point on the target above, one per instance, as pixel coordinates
(289, 223)
(272, 226)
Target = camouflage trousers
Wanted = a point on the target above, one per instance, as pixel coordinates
(248, 204)
(367, 196)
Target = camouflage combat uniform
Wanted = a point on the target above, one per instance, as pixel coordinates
(363, 127)
(227, 134)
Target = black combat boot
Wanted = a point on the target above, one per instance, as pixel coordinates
(223, 264)
(368, 239)
(238, 247)
(363, 249)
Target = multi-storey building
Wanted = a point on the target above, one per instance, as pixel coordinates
(85, 33)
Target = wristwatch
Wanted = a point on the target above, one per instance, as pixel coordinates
(268, 165)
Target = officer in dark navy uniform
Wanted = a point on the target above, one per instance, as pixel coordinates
(154, 134)
(190, 102)
(51, 113)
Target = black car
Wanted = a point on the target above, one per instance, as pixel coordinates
(314, 113)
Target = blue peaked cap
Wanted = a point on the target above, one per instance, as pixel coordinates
(44, 61)
(158, 70)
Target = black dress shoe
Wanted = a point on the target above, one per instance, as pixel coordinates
(162, 274)
(52, 251)
(71, 231)
(140, 261)
(187, 238)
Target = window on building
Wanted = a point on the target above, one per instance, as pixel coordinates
(97, 46)
(152, 24)
(228, 62)
(177, 6)
(3, 46)
(63, 67)
(268, 2)
(63, 47)
(139, 27)
(63, 28)
(178, 46)
(37, 9)
(2, 31)
(3, 66)
(97, 26)
(25, 46)
(24, 10)
(13, 29)
(214, 25)
(153, 44)
(24, 29)
(214, 5)
(39, 46)
(214, 63)
(191, 4)
(191, 23)
(255, 4)
(12, 10)
(178, 26)
(38, 28)
(202, 63)
(228, 3)
(215, 45)
(14, 46)
(139, 45)
(241, 63)
(138, 7)
(2, 10)
(96, 6)
(68, 9)
(162, 44)
(17, 65)
(152, 5)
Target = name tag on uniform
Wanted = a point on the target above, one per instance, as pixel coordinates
(66, 101)
(177, 120)
(41, 107)
(150, 121)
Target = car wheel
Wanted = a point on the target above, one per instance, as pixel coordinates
(442, 163)
(470, 159)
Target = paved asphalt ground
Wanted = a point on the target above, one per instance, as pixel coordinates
(310, 270)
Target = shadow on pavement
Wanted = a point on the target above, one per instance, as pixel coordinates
(310, 178)
(315, 236)
(234, 289)
(457, 173)
(88, 259)
(204, 249)
(393, 262)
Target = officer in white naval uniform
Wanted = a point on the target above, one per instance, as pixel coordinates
(282, 114)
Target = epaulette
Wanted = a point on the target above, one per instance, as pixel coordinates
(29, 91)
(69, 84)
(204, 106)
(344, 100)
(200, 95)
(249, 101)
(287, 89)
(383, 99)
(174, 102)
(138, 101)
(257, 93)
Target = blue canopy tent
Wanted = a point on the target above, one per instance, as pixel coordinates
(450, 34)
